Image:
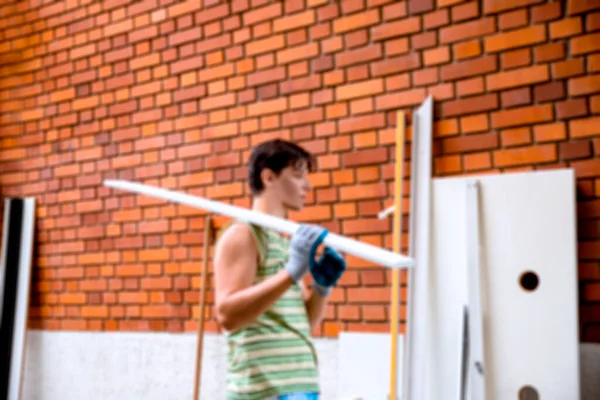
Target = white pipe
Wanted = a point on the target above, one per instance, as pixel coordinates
(385, 212)
(362, 250)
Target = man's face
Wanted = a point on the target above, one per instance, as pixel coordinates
(292, 185)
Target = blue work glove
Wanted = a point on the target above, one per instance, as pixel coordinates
(327, 271)
(303, 247)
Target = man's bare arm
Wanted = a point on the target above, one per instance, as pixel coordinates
(238, 300)
(315, 308)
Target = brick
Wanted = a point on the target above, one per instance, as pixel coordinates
(436, 19)
(426, 76)
(585, 44)
(356, 39)
(581, 6)
(474, 123)
(294, 21)
(566, 28)
(568, 68)
(518, 77)
(468, 49)
(349, 8)
(420, 6)
(465, 11)
(513, 19)
(574, 150)
(516, 58)
(364, 191)
(515, 38)
(595, 104)
(266, 45)
(549, 52)
(586, 168)
(477, 161)
(549, 92)
(525, 155)
(366, 54)
(296, 53)
(516, 97)
(365, 226)
(447, 127)
(424, 40)
(515, 137)
(584, 85)
(356, 21)
(546, 12)
(571, 108)
(470, 105)
(367, 174)
(394, 29)
(592, 22)
(496, 6)
(594, 63)
(361, 89)
(550, 132)
(395, 65)
(396, 46)
(584, 127)
(464, 69)
(361, 123)
(468, 143)
(265, 76)
(302, 117)
(447, 165)
(467, 30)
(400, 99)
(262, 14)
(436, 56)
(522, 116)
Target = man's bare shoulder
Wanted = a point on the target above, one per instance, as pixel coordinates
(237, 238)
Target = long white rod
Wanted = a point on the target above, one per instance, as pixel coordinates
(344, 244)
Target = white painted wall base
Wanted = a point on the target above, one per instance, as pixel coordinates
(160, 366)
(129, 366)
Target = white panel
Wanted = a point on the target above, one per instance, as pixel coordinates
(363, 365)
(418, 315)
(530, 338)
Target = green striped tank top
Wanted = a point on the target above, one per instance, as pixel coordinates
(275, 354)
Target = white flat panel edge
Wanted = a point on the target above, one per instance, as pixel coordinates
(23, 296)
(415, 361)
(3, 252)
(476, 362)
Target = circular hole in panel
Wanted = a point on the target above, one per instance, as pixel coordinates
(529, 281)
(528, 393)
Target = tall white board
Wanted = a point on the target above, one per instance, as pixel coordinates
(528, 268)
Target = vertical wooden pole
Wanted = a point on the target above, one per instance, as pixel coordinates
(397, 241)
(203, 285)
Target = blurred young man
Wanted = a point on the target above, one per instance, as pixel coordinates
(260, 299)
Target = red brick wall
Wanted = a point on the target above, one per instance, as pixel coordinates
(174, 94)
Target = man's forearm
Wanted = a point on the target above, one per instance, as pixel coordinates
(315, 308)
(244, 306)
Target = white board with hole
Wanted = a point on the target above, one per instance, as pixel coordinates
(528, 289)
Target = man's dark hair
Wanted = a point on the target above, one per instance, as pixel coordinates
(275, 155)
